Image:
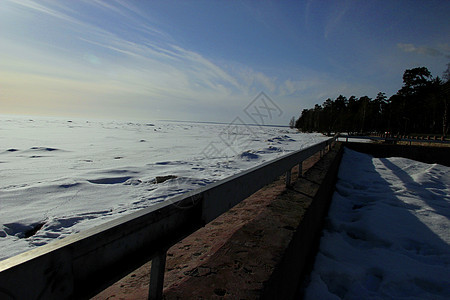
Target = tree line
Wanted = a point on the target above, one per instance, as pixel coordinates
(421, 106)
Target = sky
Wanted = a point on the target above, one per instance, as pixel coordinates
(209, 60)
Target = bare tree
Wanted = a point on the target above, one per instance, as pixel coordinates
(292, 122)
(446, 74)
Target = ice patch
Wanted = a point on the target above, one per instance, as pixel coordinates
(22, 230)
(69, 185)
(44, 149)
(270, 149)
(281, 139)
(110, 180)
(248, 155)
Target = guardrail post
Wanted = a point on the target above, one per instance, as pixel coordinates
(288, 177)
(157, 276)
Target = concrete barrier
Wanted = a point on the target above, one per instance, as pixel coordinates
(426, 154)
(298, 258)
(273, 249)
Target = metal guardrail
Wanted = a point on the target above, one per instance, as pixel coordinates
(81, 265)
(392, 139)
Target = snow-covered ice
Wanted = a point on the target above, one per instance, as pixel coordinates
(63, 176)
(387, 234)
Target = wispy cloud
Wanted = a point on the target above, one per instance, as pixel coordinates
(423, 50)
(337, 14)
(295, 87)
(149, 64)
(56, 10)
(154, 67)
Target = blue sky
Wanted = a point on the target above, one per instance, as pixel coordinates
(207, 60)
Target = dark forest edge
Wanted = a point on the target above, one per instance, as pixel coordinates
(421, 106)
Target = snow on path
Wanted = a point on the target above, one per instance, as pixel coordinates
(387, 235)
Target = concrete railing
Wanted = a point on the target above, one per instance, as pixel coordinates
(394, 139)
(81, 265)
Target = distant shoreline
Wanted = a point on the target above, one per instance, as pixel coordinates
(222, 123)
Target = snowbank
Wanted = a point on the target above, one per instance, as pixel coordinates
(387, 235)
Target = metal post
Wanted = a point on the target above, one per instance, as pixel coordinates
(288, 177)
(157, 276)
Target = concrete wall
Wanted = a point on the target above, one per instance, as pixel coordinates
(298, 258)
(426, 154)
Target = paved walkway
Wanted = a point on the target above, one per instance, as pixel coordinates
(232, 256)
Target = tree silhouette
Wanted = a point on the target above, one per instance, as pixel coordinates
(446, 74)
(421, 106)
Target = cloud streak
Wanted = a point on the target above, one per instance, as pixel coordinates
(422, 50)
(337, 14)
(156, 68)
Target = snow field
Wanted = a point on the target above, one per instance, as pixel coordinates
(63, 176)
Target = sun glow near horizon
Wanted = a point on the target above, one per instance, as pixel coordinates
(202, 60)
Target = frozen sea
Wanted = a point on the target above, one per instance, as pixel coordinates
(62, 176)
(387, 234)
